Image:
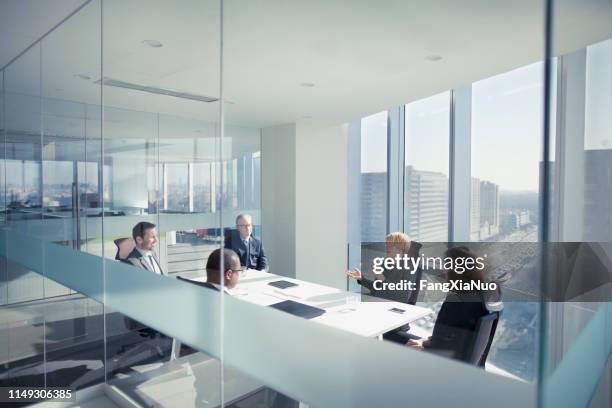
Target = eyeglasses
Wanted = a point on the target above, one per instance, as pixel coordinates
(244, 225)
(240, 271)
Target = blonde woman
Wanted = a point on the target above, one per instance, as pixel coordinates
(396, 243)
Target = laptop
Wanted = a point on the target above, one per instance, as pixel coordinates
(298, 309)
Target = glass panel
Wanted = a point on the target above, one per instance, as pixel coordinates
(75, 344)
(577, 336)
(374, 177)
(176, 194)
(506, 129)
(427, 133)
(202, 196)
(507, 123)
(160, 144)
(22, 326)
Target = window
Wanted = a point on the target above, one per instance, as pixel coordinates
(507, 123)
(598, 144)
(426, 164)
(177, 197)
(374, 177)
(201, 187)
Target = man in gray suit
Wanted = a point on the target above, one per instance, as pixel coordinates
(143, 256)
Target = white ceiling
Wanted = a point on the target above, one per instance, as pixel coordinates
(24, 21)
(362, 56)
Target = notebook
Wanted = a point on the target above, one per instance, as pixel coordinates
(298, 309)
(282, 284)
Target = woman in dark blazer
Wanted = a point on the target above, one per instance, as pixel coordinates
(455, 325)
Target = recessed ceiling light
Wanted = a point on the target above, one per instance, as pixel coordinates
(153, 43)
(433, 57)
(81, 76)
(307, 84)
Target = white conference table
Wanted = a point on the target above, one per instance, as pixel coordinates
(343, 310)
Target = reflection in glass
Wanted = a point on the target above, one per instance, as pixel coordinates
(176, 189)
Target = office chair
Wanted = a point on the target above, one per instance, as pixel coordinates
(480, 345)
(124, 247)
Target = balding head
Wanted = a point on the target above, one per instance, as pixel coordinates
(244, 224)
(231, 267)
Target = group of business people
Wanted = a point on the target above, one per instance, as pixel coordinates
(241, 251)
(456, 323)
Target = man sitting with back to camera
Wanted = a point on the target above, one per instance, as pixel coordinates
(250, 250)
(231, 269)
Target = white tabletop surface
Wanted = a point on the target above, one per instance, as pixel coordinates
(344, 310)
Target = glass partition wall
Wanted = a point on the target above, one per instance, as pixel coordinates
(187, 115)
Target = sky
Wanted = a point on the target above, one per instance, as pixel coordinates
(507, 126)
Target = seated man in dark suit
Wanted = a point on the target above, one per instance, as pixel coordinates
(143, 255)
(231, 269)
(250, 250)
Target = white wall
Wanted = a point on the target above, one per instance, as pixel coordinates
(321, 204)
(278, 197)
(304, 201)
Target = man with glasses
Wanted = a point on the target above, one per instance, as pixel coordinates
(250, 250)
(231, 269)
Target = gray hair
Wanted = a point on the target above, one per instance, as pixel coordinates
(243, 216)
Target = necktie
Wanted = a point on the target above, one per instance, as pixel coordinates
(248, 253)
(154, 265)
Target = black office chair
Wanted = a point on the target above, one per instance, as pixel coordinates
(124, 247)
(478, 349)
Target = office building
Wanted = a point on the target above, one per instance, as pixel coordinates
(489, 208)
(373, 210)
(295, 134)
(597, 189)
(426, 204)
(475, 210)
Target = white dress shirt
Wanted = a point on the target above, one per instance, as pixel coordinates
(150, 260)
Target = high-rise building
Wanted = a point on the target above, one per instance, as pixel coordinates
(597, 193)
(475, 210)
(426, 205)
(489, 208)
(373, 210)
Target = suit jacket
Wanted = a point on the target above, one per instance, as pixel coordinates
(198, 283)
(135, 258)
(257, 257)
(395, 276)
(455, 326)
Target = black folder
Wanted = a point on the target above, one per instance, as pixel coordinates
(282, 284)
(298, 309)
